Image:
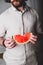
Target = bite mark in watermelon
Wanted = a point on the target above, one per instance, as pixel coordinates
(22, 39)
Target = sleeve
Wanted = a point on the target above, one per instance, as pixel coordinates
(38, 25)
(2, 29)
(39, 29)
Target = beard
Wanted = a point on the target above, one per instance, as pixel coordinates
(16, 6)
(22, 4)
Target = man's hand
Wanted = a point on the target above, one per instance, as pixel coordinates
(9, 43)
(33, 39)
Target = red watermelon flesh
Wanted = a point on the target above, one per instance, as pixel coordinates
(19, 38)
(22, 39)
(27, 36)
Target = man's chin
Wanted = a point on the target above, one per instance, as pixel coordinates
(17, 7)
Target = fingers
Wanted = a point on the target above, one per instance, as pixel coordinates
(11, 46)
(9, 43)
(33, 39)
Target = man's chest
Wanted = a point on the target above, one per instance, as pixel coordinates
(18, 23)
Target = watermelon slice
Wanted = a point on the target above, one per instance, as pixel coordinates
(22, 39)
